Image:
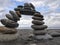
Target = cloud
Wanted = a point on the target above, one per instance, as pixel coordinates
(53, 21)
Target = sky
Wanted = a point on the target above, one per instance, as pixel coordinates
(50, 9)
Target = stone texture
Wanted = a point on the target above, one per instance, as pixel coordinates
(37, 22)
(15, 16)
(55, 34)
(55, 41)
(37, 18)
(18, 13)
(9, 17)
(9, 23)
(38, 15)
(32, 6)
(40, 32)
(29, 6)
(5, 30)
(43, 37)
(26, 5)
(39, 27)
(20, 6)
(8, 37)
(25, 11)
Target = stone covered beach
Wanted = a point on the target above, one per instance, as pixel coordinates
(23, 35)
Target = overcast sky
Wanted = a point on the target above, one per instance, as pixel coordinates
(50, 9)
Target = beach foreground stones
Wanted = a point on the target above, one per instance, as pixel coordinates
(8, 37)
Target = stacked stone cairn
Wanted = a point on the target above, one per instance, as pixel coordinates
(40, 31)
(39, 28)
(9, 31)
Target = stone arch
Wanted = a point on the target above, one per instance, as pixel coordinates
(28, 9)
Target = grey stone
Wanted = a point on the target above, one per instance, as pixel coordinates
(31, 5)
(9, 23)
(26, 5)
(37, 18)
(40, 32)
(9, 17)
(25, 11)
(5, 30)
(39, 27)
(15, 16)
(55, 34)
(37, 22)
(38, 15)
(8, 37)
(44, 37)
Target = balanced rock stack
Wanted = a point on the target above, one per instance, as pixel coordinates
(27, 9)
(40, 31)
(9, 31)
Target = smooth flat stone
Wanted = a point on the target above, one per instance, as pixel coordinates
(38, 15)
(40, 32)
(55, 34)
(15, 16)
(8, 37)
(25, 11)
(9, 23)
(28, 8)
(39, 27)
(9, 17)
(37, 18)
(37, 22)
(5, 30)
(43, 37)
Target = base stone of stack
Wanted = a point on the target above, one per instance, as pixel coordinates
(43, 37)
(8, 37)
(8, 34)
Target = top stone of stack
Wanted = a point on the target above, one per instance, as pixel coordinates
(27, 9)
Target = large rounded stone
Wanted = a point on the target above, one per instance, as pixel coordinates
(6, 30)
(40, 32)
(9, 17)
(15, 16)
(39, 27)
(8, 37)
(38, 15)
(37, 18)
(25, 11)
(55, 34)
(37, 22)
(9, 23)
(43, 37)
